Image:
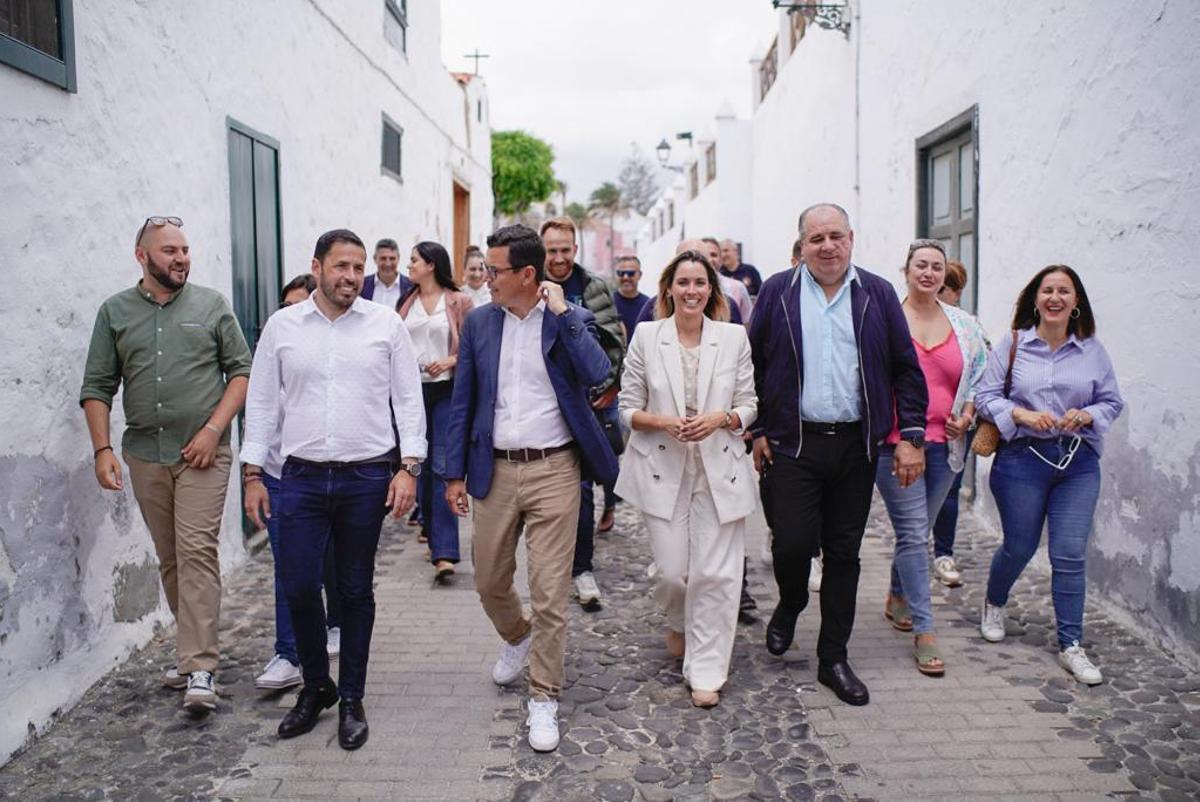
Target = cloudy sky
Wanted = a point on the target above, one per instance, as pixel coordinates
(590, 77)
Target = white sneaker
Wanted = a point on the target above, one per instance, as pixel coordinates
(814, 576)
(543, 725)
(991, 623)
(279, 673)
(946, 571)
(1075, 660)
(201, 695)
(172, 679)
(334, 641)
(511, 663)
(587, 591)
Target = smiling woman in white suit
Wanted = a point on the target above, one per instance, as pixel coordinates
(687, 393)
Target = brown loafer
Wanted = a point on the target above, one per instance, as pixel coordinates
(675, 643)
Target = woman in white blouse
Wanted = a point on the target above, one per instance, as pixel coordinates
(475, 273)
(687, 392)
(433, 311)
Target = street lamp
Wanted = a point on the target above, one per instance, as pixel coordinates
(663, 150)
(830, 16)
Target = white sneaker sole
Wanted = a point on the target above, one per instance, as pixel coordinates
(276, 684)
(504, 682)
(543, 747)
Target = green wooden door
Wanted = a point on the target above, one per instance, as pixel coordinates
(254, 228)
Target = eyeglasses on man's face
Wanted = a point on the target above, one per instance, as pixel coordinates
(626, 273)
(492, 271)
(156, 222)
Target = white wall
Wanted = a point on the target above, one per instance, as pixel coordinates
(1089, 114)
(146, 134)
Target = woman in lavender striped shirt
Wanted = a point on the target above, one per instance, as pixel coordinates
(1062, 401)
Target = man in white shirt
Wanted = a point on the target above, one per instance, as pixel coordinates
(522, 433)
(386, 285)
(342, 359)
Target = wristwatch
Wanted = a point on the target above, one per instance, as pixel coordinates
(916, 440)
(413, 468)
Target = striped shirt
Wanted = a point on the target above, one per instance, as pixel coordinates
(1079, 375)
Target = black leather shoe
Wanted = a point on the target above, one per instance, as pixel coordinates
(747, 606)
(781, 629)
(303, 717)
(840, 679)
(352, 724)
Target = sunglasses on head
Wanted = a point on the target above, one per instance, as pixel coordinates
(158, 221)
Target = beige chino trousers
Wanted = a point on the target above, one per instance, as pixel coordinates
(699, 577)
(182, 508)
(542, 495)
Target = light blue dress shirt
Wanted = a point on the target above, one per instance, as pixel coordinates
(832, 389)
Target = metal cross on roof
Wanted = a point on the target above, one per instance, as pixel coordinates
(476, 55)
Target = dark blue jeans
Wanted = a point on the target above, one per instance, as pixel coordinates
(437, 520)
(1031, 494)
(585, 533)
(285, 636)
(346, 506)
(946, 524)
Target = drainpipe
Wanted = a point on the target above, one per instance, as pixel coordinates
(858, 37)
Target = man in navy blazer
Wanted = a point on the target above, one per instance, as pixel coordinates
(521, 435)
(386, 285)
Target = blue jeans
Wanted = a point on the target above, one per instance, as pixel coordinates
(437, 518)
(1031, 494)
(344, 505)
(946, 522)
(585, 533)
(285, 636)
(911, 509)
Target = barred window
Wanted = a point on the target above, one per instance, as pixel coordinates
(393, 142)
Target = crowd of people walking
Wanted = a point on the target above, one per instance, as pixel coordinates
(509, 397)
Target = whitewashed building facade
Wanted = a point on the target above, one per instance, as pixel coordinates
(261, 125)
(1022, 135)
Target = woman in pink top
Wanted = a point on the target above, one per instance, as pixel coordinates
(951, 349)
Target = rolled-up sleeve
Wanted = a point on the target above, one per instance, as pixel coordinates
(234, 353)
(408, 405)
(262, 400)
(102, 370)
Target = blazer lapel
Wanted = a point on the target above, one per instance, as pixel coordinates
(709, 350)
(491, 350)
(668, 340)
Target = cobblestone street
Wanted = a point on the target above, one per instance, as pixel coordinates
(1004, 721)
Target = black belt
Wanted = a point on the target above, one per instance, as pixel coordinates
(528, 454)
(355, 464)
(840, 427)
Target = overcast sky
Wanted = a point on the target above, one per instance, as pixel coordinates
(590, 77)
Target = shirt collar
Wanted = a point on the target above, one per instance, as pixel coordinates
(1030, 334)
(538, 309)
(309, 306)
(802, 272)
(142, 291)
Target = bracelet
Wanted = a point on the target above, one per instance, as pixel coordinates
(251, 477)
(213, 429)
(101, 448)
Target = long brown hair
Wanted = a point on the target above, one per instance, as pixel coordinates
(1025, 316)
(715, 309)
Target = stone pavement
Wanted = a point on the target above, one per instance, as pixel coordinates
(1005, 721)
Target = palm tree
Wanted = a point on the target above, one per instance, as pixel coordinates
(606, 201)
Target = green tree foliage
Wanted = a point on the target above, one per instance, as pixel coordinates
(521, 171)
(578, 213)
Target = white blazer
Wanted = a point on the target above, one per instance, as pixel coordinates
(653, 462)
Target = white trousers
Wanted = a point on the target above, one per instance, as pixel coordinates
(699, 577)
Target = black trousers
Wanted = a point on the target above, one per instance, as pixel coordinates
(821, 501)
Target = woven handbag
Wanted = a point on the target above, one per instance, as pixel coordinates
(987, 435)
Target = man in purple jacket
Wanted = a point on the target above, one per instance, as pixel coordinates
(834, 368)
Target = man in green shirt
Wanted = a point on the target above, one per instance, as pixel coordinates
(180, 356)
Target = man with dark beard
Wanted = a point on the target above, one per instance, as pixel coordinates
(347, 363)
(180, 354)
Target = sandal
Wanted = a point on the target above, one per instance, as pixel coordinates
(929, 658)
(895, 609)
(705, 699)
(606, 522)
(443, 570)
